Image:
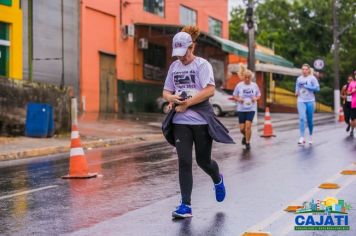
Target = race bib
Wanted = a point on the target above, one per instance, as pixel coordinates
(247, 103)
(303, 92)
(348, 98)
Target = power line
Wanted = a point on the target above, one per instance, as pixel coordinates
(314, 22)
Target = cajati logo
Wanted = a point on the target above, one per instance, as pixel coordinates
(328, 214)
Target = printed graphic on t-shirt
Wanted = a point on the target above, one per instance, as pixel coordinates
(184, 82)
(247, 92)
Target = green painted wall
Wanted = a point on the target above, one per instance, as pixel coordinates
(138, 97)
(6, 2)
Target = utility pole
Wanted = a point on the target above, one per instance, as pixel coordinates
(30, 38)
(336, 58)
(251, 36)
(62, 30)
(251, 46)
(337, 32)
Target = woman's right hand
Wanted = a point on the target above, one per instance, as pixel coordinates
(176, 99)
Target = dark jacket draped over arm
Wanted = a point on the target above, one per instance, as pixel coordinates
(217, 130)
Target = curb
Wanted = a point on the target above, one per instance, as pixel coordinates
(281, 123)
(85, 144)
(115, 141)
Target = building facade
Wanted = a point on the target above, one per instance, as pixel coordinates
(51, 42)
(10, 39)
(126, 48)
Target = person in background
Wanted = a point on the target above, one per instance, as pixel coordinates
(305, 87)
(352, 91)
(346, 103)
(246, 93)
(189, 84)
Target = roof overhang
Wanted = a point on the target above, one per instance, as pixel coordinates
(262, 67)
(241, 50)
(278, 69)
(225, 44)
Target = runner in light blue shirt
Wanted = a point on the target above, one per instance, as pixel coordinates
(305, 88)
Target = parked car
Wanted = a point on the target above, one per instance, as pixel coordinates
(222, 103)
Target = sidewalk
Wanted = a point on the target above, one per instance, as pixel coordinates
(95, 131)
(108, 130)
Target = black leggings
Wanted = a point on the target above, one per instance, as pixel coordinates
(185, 136)
(347, 112)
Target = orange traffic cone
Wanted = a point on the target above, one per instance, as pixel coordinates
(341, 115)
(78, 166)
(267, 129)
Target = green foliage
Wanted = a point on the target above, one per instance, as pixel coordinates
(301, 31)
(325, 95)
(235, 25)
(287, 84)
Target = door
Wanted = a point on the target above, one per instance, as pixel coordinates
(4, 49)
(4, 60)
(107, 83)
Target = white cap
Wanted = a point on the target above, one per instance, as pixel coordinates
(180, 44)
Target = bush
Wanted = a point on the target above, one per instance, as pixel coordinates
(325, 95)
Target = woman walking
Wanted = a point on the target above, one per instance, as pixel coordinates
(305, 88)
(346, 102)
(246, 93)
(189, 84)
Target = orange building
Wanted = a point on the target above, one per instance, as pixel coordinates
(126, 48)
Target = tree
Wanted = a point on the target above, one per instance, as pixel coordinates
(301, 31)
(235, 25)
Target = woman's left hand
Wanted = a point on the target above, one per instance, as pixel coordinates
(182, 107)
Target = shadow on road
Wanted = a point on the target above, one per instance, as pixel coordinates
(213, 228)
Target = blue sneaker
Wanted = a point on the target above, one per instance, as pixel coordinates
(220, 190)
(182, 211)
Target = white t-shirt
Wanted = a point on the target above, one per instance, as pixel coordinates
(247, 92)
(188, 80)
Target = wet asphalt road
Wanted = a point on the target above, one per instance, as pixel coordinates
(139, 188)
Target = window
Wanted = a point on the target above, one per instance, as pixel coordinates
(187, 16)
(6, 2)
(215, 27)
(154, 6)
(4, 49)
(154, 62)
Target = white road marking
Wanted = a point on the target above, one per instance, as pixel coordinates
(27, 192)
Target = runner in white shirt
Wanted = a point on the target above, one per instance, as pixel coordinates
(246, 93)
